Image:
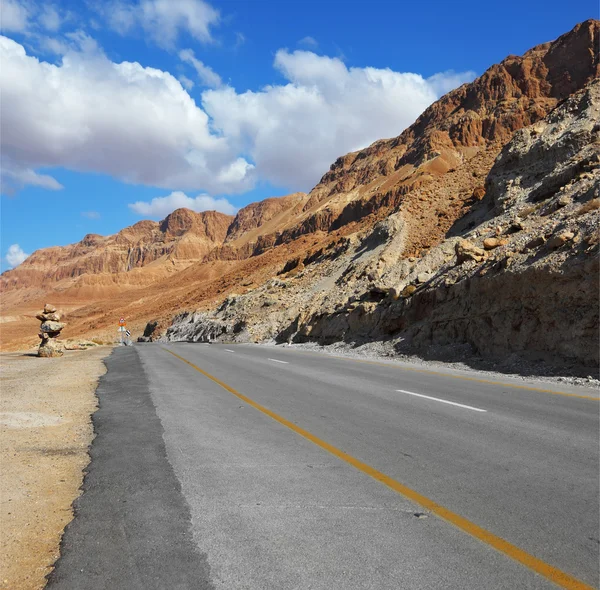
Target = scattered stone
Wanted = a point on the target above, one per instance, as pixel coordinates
(563, 201)
(515, 227)
(479, 193)
(535, 243)
(560, 240)
(408, 291)
(465, 251)
(506, 262)
(423, 277)
(491, 243)
(378, 289)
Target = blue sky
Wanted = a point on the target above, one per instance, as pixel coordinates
(117, 111)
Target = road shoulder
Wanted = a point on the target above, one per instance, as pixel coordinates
(132, 524)
(45, 433)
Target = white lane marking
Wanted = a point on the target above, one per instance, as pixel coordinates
(282, 362)
(227, 350)
(444, 401)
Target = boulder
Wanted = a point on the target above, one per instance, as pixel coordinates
(52, 326)
(50, 348)
(45, 317)
(491, 243)
(465, 251)
(535, 243)
(560, 240)
(478, 193)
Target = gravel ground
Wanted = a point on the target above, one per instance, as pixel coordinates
(45, 431)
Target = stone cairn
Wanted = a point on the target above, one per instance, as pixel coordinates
(49, 332)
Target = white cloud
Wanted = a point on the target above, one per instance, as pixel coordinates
(186, 82)
(14, 176)
(88, 114)
(50, 19)
(207, 76)
(160, 207)
(163, 20)
(29, 17)
(15, 255)
(138, 124)
(293, 132)
(443, 82)
(309, 41)
(91, 214)
(14, 16)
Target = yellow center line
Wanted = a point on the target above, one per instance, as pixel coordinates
(546, 570)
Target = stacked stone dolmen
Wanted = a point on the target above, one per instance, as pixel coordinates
(49, 332)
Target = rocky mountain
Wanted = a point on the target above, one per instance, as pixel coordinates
(183, 236)
(302, 263)
(518, 275)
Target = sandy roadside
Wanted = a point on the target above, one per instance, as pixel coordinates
(45, 430)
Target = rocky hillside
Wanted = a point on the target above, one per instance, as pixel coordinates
(382, 220)
(518, 274)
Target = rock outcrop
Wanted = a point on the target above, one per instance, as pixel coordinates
(519, 276)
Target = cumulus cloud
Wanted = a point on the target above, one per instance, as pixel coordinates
(160, 207)
(15, 255)
(140, 125)
(162, 20)
(294, 131)
(207, 76)
(89, 114)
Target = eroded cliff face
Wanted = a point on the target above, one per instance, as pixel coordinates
(518, 274)
(184, 236)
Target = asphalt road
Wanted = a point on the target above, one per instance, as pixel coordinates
(273, 468)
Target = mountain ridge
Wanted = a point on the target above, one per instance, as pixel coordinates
(433, 175)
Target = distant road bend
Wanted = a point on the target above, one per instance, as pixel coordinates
(251, 467)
